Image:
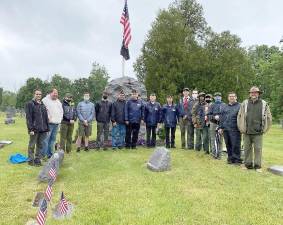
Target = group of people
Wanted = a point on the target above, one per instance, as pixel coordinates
(204, 119)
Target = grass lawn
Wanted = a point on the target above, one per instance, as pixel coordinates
(116, 188)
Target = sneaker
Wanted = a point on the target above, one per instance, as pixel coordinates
(259, 170)
(128, 147)
(78, 149)
(167, 146)
(173, 146)
(120, 147)
(37, 162)
(86, 149)
(31, 163)
(134, 147)
(105, 148)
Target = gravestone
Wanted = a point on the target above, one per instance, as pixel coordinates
(278, 170)
(56, 161)
(10, 113)
(57, 214)
(160, 160)
(127, 84)
(38, 199)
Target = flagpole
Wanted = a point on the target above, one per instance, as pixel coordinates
(123, 66)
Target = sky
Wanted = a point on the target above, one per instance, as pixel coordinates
(39, 38)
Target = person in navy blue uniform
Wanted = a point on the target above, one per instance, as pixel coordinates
(152, 117)
(170, 117)
(228, 126)
(134, 114)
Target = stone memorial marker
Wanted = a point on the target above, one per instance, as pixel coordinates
(278, 170)
(160, 160)
(56, 160)
(38, 199)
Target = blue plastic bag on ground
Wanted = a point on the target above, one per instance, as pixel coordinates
(18, 158)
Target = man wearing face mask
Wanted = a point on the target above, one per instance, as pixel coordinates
(118, 122)
(254, 119)
(208, 100)
(86, 114)
(55, 116)
(202, 128)
(67, 124)
(103, 115)
(214, 117)
(191, 129)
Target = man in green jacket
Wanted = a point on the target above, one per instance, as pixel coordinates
(254, 119)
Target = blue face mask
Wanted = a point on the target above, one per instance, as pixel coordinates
(217, 99)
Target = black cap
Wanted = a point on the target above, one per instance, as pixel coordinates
(201, 94)
(208, 95)
(152, 94)
(186, 89)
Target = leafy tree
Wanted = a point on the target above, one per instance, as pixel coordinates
(62, 84)
(8, 99)
(26, 92)
(182, 51)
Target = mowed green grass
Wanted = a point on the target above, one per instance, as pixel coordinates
(116, 188)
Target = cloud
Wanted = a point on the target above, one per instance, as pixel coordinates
(40, 38)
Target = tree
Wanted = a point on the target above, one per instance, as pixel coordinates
(1, 94)
(97, 80)
(267, 64)
(26, 92)
(182, 51)
(8, 99)
(62, 84)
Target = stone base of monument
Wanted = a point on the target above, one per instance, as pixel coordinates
(160, 160)
(56, 161)
(57, 214)
(278, 170)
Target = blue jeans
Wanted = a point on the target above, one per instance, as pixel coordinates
(49, 141)
(118, 135)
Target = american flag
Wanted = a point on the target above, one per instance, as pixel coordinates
(48, 192)
(125, 21)
(41, 215)
(52, 173)
(63, 205)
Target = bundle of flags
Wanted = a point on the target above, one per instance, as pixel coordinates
(63, 205)
(125, 21)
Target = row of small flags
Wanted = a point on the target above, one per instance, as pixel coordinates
(63, 205)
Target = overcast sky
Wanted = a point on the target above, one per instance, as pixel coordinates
(43, 37)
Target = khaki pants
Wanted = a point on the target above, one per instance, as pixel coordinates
(253, 150)
(187, 126)
(66, 132)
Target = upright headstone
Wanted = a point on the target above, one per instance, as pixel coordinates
(160, 160)
(56, 161)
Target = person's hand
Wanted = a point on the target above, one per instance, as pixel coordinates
(72, 121)
(205, 118)
(85, 123)
(220, 131)
(127, 122)
(216, 117)
(142, 122)
(195, 125)
(185, 117)
(114, 124)
(31, 133)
